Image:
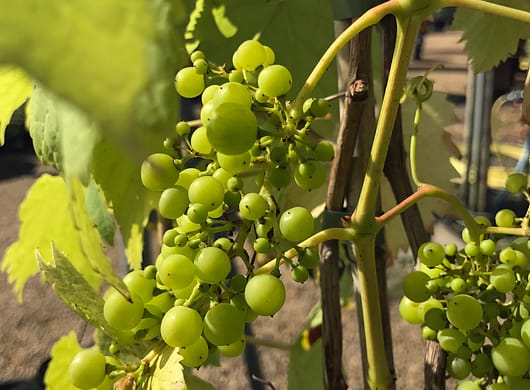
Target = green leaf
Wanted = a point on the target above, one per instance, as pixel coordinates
(98, 212)
(501, 34)
(168, 373)
(15, 89)
(45, 218)
(305, 367)
(62, 354)
(114, 60)
(195, 383)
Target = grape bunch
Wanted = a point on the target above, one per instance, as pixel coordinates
(218, 184)
(475, 302)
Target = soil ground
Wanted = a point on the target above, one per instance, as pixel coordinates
(28, 331)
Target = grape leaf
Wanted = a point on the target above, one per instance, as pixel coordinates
(305, 367)
(196, 383)
(167, 372)
(62, 354)
(98, 212)
(44, 218)
(15, 89)
(501, 34)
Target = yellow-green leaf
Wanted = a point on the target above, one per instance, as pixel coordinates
(62, 354)
(15, 89)
(167, 372)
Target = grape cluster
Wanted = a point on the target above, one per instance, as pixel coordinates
(195, 297)
(475, 302)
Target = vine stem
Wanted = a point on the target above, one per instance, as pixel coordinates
(369, 18)
(490, 8)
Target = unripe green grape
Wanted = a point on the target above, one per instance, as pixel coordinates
(236, 76)
(487, 247)
(222, 176)
(511, 357)
(199, 141)
(138, 284)
(212, 265)
(189, 83)
(270, 57)
(241, 304)
(428, 333)
(261, 245)
(182, 128)
(464, 312)
(458, 285)
(263, 226)
(223, 324)
(309, 258)
(296, 224)
(233, 349)
(181, 326)
(173, 202)
(450, 339)
(197, 213)
(481, 365)
(209, 93)
(160, 304)
(505, 218)
(201, 66)
(450, 249)
(435, 319)
(260, 96)
(87, 369)
(234, 183)
(233, 93)
(502, 279)
(206, 190)
(234, 164)
(431, 253)
(300, 274)
(275, 80)
(120, 313)
(467, 385)
(458, 368)
(508, 256)
(279, 177)
(187, 176)
(249, 55)
(265, 294)
(472, 249)
(431, 303)
(195, 354)
(464, 352)
(324, 151)
(278, 154)
(253, 206)
(207, 111)
(197, 55)
(184, 250)
(310, 175)
(516, 182)
(176, 271)
(316, 107)
(521, 259)
(525, 332)
(232, 198)
(185, 225)
(158, 172)
(232, 129)
(498, 386)
(408, 310)
(414, 286)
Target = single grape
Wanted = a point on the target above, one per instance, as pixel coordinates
(236, 76)
(467, 385)
(187, 176)
(120, 313)
(450, 339)
(458, 368)
(212, 265)
(158, 172)
(269, 56)
(185, 225)
(160, 304)
(234, 164)
(525, 332)
(253, 206)
(241, 304)
(324, 151)
(300, 274)
(464, 312)
(472, 249)
(87, 369)
(182, 128)
(428, 333)
(310, 175)
(223, 324)
(199, 141)
(296, 224)
(458, 285)
(233, 93)
(487, 247)
(505, 218)
(209, 93)
(176, 271)
(139, 285)
(408, 310)
(481, 366)
(232, 129)
(181, 326)
(279, 176)
(503, 279)
(516, 182)
(508, 256)
(173, 202)
(511, 357)
(275, 80)
(265, 294)
(415, 286)
(233, 349)
(197, 55)
(431, 253)
(431, 303)
(435, 319)
(197, 212)
(261, 245)
(200, 65)
(195, 354)
(249, 55)
(189, 83)
(207, 191)
(310, 257)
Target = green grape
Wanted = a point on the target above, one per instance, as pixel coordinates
(458, 368)
(87, 369)
(232, 129)
(173, 202)
(464, 312)
(181, 326)
(279, 176)
(236, 76)
(223, 324)
(208, 191)
(232, 198)
(160, 304)
(189, 83)
(472, 249)
(516, 182)
(234, 164)
(300, 274)
(431, 253)
(182, 128)
(261, 245)
(525, 332)
(249, 55)
(222, 176)
(199, 141)
(209, 93)
(263, 226)
(408, 310)
(200, 65)
(450, 339)
(511, 357)
(464, 352)
(241, 304)
(139, 285)
(197, 212)
(212, 265)
(176, 271)
(296, 224)
(158, 172)
(431, 303)
(505, 218)
(521, 259)
(265, 294)
(415, 286)
(207, 111)
(503, 279)
(275, 80)
(428, 333)
(450, 250)
(233, 93)
(187, 176)
(260, 96)
(481, 366)
(278, 154)
(185, 225)
(435, 319)
(234, 183)
(253, 206)
(233, 349)
(197, 55)
(270, 57)
(499, 386)
(324, 151)
(517, 382)
(195, 354)
(310, 257)
(458, 285)
(467, 385)
(120, 313)
(487, 247)
(309, 175)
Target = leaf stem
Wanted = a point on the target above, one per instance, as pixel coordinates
(490, 8)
